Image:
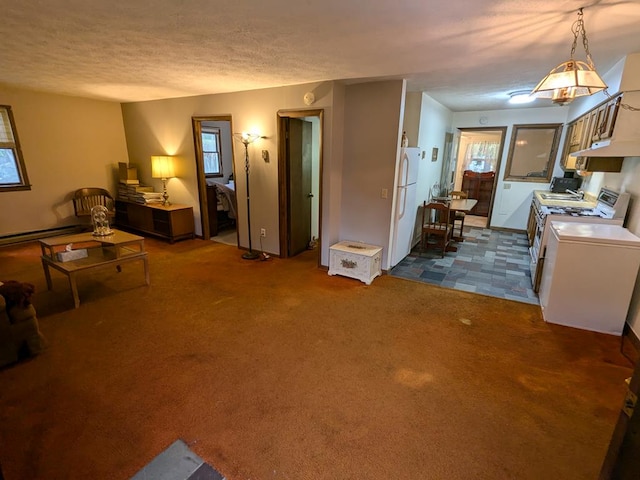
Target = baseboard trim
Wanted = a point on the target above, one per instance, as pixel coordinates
(36, 234)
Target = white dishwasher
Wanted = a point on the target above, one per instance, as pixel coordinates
(589, 276)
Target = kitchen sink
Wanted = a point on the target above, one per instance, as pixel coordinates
(560, 196)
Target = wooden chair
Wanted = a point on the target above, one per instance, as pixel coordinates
(457, 216)
(85, 199)
(436, 227)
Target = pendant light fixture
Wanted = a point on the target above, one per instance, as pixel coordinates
(572, 78)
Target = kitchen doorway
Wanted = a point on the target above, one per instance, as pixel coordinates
(475, 167)
(299, 175)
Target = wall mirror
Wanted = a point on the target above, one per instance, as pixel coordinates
(532, 152)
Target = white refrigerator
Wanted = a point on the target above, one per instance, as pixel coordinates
(404, 215)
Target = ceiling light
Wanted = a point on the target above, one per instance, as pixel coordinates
(572, 78)
(520, 97)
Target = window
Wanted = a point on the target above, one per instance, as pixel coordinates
(211, 152)
(13, 174)
(532, 152)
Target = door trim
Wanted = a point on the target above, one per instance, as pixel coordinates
(283, 173)
(196, 124)
(503, 132)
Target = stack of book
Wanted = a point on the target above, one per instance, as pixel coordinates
(130, 189)
(134, 193)
(153, 197)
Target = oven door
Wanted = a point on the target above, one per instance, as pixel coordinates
(535, 258)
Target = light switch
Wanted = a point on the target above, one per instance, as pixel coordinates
(384, 193)
(265, 155)
(507, 186)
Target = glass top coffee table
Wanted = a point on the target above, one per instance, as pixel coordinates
(101, 251)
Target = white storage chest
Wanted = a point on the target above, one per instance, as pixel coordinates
(356, 260)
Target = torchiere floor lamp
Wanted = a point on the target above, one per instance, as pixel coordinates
(246, 139)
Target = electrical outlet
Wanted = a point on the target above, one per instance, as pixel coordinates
(263, 232)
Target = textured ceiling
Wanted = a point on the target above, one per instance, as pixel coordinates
(467, 54)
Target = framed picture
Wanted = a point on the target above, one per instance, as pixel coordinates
(532, 152)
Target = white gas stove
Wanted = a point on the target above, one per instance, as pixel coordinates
(611, 207)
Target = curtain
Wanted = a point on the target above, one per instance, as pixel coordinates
(481, 156)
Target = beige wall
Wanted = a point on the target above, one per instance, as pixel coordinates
(164, 126)
(372, 146)
(67, 143)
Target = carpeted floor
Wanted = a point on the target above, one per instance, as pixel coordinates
(276, 370)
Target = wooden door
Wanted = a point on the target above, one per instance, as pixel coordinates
(299, 141)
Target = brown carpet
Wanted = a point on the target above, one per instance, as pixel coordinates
(276, 370)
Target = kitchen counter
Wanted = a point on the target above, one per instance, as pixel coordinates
(558, 202)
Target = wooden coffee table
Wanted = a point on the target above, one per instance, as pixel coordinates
(103, 251)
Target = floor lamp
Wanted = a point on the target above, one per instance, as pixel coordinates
(246, 139)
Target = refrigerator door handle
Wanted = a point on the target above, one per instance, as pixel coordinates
(405, 169)
(402, 203)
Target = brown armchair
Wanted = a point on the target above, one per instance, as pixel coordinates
(85, 199)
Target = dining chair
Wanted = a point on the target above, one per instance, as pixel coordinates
(436, 227)
(457, 215)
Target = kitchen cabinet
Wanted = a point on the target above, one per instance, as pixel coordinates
(173, 222)
(599, 164)
(479, 186)
(595, 125)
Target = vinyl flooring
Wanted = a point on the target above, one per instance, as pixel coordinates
(488, 262)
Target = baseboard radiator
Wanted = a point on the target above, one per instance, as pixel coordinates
(36, 234)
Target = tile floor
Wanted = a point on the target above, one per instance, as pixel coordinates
(488, 262)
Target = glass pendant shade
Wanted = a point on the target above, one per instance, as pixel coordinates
(569, 80)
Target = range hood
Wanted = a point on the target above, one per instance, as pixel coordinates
(625, 141)
(611, 148)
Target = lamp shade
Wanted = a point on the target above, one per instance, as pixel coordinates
(162, 166)
(569, 80)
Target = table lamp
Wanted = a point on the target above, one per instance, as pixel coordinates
(162, 167)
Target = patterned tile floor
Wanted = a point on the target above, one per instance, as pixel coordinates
(488, 262)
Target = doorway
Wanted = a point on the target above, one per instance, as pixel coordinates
(475, 167)
(299, 179)
(214, 154)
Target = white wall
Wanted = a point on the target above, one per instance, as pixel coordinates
(435, 122)
(67, 143)
(513, 199)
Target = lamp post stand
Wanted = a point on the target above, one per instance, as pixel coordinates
(250, 255)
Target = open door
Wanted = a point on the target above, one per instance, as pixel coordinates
(298, 138)
(299, 174)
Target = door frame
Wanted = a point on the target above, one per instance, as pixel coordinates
(503, 132)
(196, 124)
(283, 175)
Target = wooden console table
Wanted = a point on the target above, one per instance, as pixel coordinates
(173, 222)
(103, 251)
